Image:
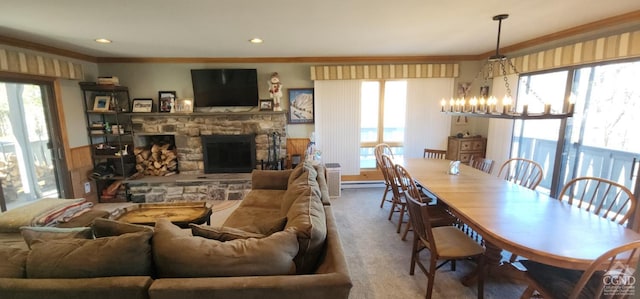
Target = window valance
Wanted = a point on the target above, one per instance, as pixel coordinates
(33, 64)
(385, 71)
(613, 47)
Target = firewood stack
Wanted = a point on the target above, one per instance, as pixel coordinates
(159, 160)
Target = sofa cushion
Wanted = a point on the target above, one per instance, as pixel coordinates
(13, 263)
(270, 179)
(179, 254)
(33, 234)
(306, 215)
(108, 228)
(256, 220)
(124, 255)
(298, 184)
(222, 233)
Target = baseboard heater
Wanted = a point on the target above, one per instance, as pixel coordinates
(362, 184)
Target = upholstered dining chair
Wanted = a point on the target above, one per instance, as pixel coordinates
(438, 211)
(524, 172)
(434, 153)
(378, 151)
(398, 202)
(615, 265)
(485, 165)
(603, 197)
(443, 242)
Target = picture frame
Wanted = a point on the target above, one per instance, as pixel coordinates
(142, 105)
(301, 106)
(166, 100)
(266, 105)
(184, 105)
(101, 103)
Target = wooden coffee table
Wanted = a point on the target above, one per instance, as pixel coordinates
(180, 214)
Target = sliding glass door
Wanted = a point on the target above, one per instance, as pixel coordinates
(599, 140)
(28, 163)
(603, 140)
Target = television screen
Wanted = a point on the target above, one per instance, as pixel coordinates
(225, 87)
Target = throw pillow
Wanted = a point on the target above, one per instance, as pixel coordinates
(124, 255)
(179, 254)
(13, 262)
(33, 234)
(222, 233)
(107, 228)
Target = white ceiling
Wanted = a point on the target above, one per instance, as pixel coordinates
(293, 28)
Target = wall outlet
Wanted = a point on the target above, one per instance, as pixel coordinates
(87, 187)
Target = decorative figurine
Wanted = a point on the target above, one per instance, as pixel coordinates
(275, 91)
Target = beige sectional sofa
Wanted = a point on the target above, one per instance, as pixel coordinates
(281, 242)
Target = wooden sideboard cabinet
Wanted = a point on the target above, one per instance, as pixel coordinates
(462, 149)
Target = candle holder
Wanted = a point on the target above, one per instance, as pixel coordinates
(547, 109)
(525, 109)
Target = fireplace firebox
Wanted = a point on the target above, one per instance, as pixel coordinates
(229, 153)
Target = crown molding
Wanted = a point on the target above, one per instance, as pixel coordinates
(630, 17)
(44, 48)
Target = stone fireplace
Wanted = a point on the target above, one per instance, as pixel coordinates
(190, 132)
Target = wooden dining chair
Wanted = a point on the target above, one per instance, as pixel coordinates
(435, 153)
(439, 212)
(482, 164)
(398, 202)
(443, 243)
(608, 276)
(378, 151)
(603, 197)
(524, 172)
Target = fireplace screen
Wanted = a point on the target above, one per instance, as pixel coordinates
(229, 153)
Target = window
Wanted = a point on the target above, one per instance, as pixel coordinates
(599, 140)
(382, 118)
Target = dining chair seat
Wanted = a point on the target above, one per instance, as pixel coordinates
(453, 243)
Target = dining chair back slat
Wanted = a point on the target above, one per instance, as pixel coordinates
(483, 164)
(434, 153)
(603, 197)
(524, 172)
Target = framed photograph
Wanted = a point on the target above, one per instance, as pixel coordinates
(301, 109)
(184, 105)
(142, 105)
(166, 100)
(101, 103)
(266, 105)
(484, 91)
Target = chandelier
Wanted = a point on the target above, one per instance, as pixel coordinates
(487, 106)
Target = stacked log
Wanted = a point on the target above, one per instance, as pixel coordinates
(157, 160)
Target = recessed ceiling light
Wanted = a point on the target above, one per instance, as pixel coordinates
(103, 40)
(256, 40)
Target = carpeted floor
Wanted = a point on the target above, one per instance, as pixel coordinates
(379, 261)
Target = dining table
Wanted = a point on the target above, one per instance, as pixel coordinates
(525, 222)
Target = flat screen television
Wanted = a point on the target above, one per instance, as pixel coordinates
(225, 87)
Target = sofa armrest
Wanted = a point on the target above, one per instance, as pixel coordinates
(63, 288)
(270, 179)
